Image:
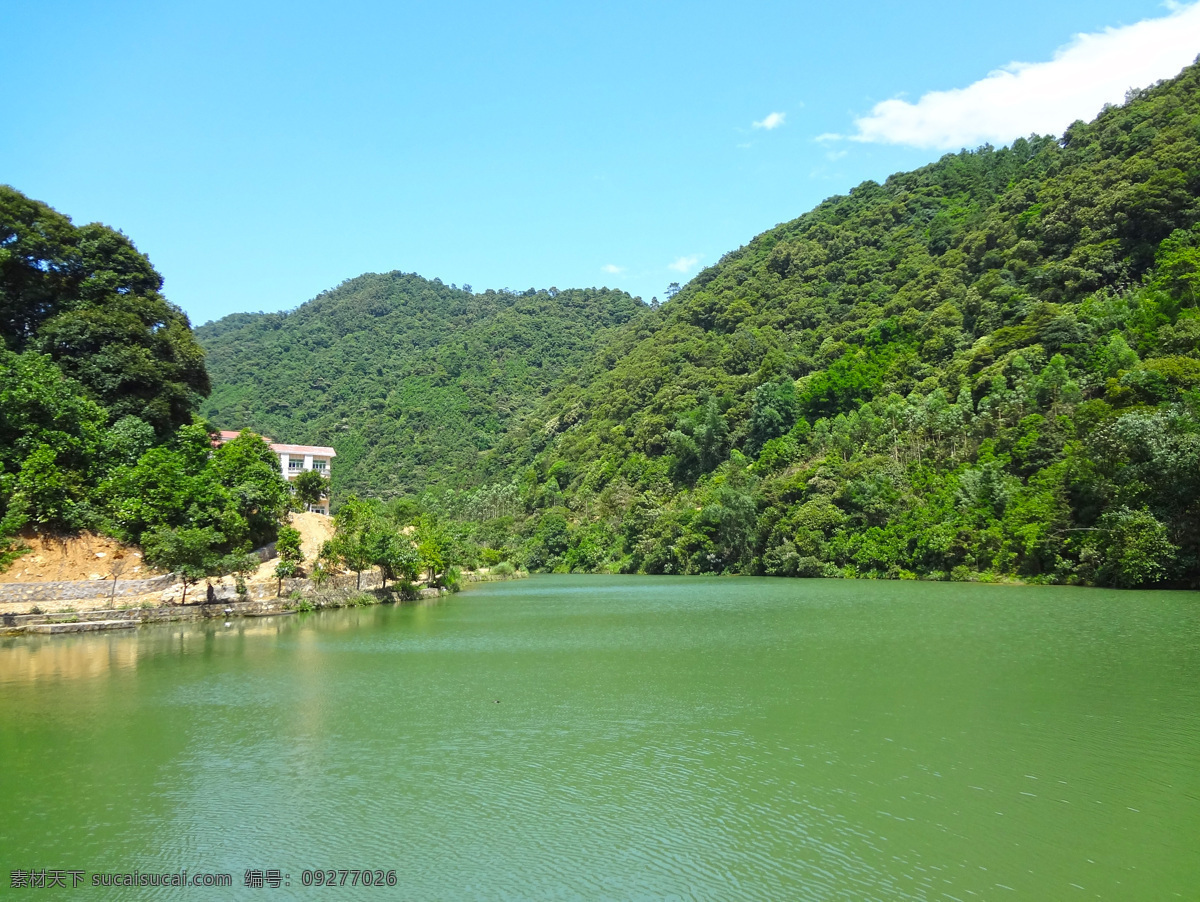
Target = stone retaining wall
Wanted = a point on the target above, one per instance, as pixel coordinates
(77, 590)
(81, 621)
(340, 593)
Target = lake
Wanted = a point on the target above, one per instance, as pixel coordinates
(625, 738)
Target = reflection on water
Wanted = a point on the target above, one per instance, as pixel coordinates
(89, 655)
(86, 656)
(629, 738)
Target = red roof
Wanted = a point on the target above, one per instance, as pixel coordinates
(226, 435)
(314, 450)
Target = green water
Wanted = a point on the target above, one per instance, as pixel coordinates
(623, 737)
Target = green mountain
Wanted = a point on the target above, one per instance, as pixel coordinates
(982, 369)
(410, 380)
(988, 368)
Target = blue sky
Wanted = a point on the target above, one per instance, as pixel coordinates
(260, 153)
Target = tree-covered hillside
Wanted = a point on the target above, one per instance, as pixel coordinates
(985, 368)
(409, 380)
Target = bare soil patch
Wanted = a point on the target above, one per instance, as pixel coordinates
(314, 529)
(75, 557)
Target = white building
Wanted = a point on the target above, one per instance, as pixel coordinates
(295, 459)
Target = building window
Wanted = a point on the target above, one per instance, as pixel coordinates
(319, 466)
(294, 464)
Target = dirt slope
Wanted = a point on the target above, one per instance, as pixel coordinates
(85, 556)
(91, 556)
(314, 530)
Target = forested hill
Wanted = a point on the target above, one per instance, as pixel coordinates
(410, 380)
(984, 368)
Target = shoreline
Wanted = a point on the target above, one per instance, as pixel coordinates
(70, 621)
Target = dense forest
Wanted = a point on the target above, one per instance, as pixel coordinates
(984, 369)
(412, 381)
(100, 378)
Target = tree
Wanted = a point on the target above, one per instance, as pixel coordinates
(1178, 265)
(394, 555)
(773, 414)
(170, 486)
(13, 518)
(435, 549)
(249, 470)
(241, 565)
(126, 440)
(352, 553)
(88, 298)
(456, 383)
(288, 544)
(99, 378)
(309, 487)
(285, 570)
(235, 489)
(191, 552)
(291, 557)
(996, 357)
(549, 543)
(1136, 549)
(51, 437)
(722, 531)
(353, 543)
(327, 563)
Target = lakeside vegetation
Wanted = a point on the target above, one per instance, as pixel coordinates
(100, 382)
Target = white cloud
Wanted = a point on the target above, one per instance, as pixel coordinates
(1024, 98)
(772, 120)
(683, 264)
(612, 269)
